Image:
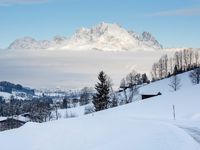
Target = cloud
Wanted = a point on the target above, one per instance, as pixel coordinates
(178, 12)
(14, 2)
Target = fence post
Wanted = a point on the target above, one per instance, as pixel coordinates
(174, 112)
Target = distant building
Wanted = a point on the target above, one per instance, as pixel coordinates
(7, 123)
(10, 123)
(145, 96)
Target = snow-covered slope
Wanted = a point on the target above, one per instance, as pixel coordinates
(5, 95)
(105, 36)
(17, 95)
(163, 85)
(142, 125)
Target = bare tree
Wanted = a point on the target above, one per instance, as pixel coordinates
(175, 83)
(177, 60)
(123, 86)
(181, 60)
(40, 111)
(114, 100)
(154, 71)
(132, 80)
(196, 58)
(165, 59)
(160, 68)
(186, 58)
(191, 54)
(86, 96)
(195, 76)
(171, 65)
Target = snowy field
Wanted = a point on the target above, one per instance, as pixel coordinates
(71, 69)
(142, 125)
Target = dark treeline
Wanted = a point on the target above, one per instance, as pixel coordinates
(10, 87)
(38, 109)
(44, 108)
(182, 61)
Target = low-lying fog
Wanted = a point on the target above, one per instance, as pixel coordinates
(71, 69)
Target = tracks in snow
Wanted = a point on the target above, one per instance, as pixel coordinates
(193, 132)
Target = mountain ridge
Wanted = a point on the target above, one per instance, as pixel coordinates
(104, 36)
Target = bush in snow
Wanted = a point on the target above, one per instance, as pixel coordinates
(88, 110)
(70, 115)
(195, 76)
(85, 96)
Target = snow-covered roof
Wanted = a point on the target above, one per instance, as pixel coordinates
(3, 118)
(19, 118)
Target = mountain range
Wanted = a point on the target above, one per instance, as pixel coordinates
(104, 36)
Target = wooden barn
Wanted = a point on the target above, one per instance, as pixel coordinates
(145, 96)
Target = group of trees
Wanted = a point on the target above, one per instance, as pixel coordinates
(43, 109)
(38, 110)
(14, 107)
(182, 61)
(83, 97)
(105, 97)
(130, 84)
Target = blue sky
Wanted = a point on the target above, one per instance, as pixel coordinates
(175, 23)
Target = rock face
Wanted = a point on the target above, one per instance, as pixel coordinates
(29, 43)
(105, 36)
(150, 41)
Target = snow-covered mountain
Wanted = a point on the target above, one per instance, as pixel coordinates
(105, 36)
(31, 43)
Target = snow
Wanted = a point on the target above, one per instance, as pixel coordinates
(16, 95)
(20, 118)
(163, 85)
(3, 118)
(146, 124)
(77, 111)
(5, 95)
(97, 133)
(104, 36)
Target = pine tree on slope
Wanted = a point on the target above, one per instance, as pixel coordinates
(101, 98)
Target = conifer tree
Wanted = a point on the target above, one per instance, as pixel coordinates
(101, 98)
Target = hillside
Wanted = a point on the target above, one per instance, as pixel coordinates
(141, 125)
(7, 90)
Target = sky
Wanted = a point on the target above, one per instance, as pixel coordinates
(174, 23)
